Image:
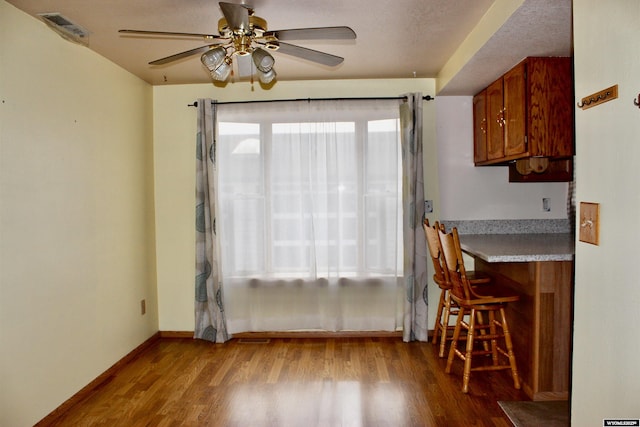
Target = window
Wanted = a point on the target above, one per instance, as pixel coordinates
(310, 194)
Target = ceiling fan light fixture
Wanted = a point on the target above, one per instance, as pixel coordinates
(268, 77)
(212, 59)
(263, 60)
(223, 71)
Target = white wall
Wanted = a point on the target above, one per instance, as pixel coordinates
(175, 128)
(606, 376)
(76, 217)
(469, 192)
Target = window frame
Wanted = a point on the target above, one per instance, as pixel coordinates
(361, 140)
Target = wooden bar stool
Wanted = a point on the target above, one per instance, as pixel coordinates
(471, 302)
(441, 278)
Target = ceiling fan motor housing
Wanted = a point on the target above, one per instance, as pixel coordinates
(243, 37)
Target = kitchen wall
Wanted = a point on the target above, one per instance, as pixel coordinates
(469, 192)
(76, 217)
(606, 376)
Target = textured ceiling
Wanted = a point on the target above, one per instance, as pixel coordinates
(395, 38)
(538, 28)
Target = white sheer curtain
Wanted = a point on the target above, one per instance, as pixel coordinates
(310, 215)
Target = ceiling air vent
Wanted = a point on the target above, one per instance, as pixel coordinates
(65, 28)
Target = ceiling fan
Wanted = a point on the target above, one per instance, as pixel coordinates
(243, 33)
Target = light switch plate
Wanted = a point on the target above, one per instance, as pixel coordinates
(589, 222)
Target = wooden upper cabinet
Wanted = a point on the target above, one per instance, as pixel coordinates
(550, 107)
(480, 127)
(529, 113)
(514, 110)
(495, 121)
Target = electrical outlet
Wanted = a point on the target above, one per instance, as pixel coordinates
(428, 206)
(143, 307)
(546, 204)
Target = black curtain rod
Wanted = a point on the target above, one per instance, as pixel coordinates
(195, 104)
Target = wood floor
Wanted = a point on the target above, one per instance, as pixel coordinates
(292, 382)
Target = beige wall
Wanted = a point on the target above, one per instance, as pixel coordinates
(174, 151)
(606, 377)
(76, 217)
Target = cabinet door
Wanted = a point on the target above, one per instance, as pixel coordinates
(550, 115)
(480, 127)
(495, 123)
(515, 101)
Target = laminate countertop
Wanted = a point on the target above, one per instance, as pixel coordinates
(519, 247)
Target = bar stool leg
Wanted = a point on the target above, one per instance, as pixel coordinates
(482, 331)
(438, 325)
(509, 345)
(494, 341)
(469, 351)
(445, 323)
(454, 341)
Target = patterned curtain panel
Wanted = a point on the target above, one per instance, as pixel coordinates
(209, 310)
(415, 261)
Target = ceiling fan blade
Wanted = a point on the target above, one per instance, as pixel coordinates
(322, 33)
(175, 57)
(169, 33)
(309, 54)
(237, 15)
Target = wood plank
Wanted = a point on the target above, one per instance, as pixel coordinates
(103, 378)
(287, 381)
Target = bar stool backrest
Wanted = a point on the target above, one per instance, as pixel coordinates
(450, 243)
(441, 275)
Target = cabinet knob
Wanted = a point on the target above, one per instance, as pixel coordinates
(500, 120)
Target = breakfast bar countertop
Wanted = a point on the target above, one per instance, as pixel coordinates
(519, 247)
